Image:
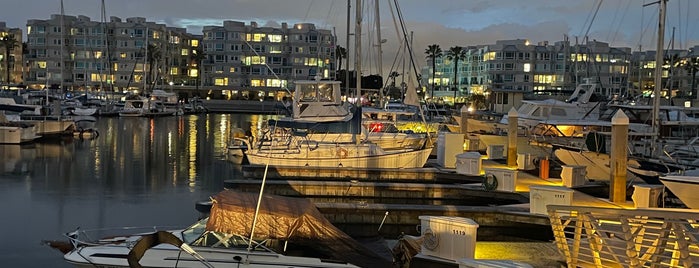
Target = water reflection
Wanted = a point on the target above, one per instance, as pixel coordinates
(137, 172)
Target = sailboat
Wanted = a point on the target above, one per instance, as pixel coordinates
(323, 131)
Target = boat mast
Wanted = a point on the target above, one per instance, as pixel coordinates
(358, 55)
(378, 37)
(658, 74)
(62, 48)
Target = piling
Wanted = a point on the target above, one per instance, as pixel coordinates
(618, 158)
(512, 118)
(464, 120)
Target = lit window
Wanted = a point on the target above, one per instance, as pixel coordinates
(193, 72)
(174, 71)
(527, 67)
(232, 70)
(122, 55)
(221, 81)
(257, 83)
(195, 43)
(185, 52)
(276, 38)
(41, 64)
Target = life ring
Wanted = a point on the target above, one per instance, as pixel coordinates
(342, 152)
(430, 241)
(490, 182)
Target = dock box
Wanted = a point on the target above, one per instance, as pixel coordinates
(495, 151)
(506, 179)
(525, 162)
(469, 163)
(647, 195)
(541, 196)
(448, 146)
(449, 238)
(573, 175)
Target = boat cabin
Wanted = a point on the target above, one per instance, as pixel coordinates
(319, 101)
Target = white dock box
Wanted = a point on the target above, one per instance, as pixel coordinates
(573, 175)
(449, 238)
(469, 163)
(506, 178)
(647, 195)
(525, 162)
(472, 143)
(495, 151)
(448, 146)
(542, 195)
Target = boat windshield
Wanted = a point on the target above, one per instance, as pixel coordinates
(197, 235)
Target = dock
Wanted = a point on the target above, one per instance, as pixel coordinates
(359, 201)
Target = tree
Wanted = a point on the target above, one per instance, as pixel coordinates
(152, 57)
(456, 53)
(691, 65)
(198, 56)
(9, 43)
(433, 52)
(340, 53)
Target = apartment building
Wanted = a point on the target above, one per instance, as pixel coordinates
(114, 55)
(512, 66)
(10, 59)
(260, 62)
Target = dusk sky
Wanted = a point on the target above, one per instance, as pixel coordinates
(621, 23)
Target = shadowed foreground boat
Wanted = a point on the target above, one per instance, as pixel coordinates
(284, 224)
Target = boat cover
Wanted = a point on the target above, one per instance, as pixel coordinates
(295, 220)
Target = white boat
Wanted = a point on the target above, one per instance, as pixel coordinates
(283, 224)
(16, 133)
(580, 106)
(144, 107)
(685, 187)
(319, 112)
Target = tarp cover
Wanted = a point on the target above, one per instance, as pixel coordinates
(296, 220)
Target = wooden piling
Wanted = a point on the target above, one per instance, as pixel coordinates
(512, 118)
(618, 158)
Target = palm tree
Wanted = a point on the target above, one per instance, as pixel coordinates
(153, 56)
(9, 43)
(691, 65)
(456, 53)
(340, 53)
(198, 56)
(433, 52)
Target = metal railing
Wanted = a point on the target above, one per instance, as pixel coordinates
(612, 237)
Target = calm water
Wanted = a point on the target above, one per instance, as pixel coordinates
(138, 172)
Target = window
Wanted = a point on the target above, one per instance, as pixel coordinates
(527, 67)
(223, 81)
(194, 42)
(257, 83)
(174, 71)
(184, 52)
(219, 35)
(275, 38)
(218, 47)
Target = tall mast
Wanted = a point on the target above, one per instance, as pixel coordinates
(347, 46)
(378, 37)
(658, 75)
(358, 50)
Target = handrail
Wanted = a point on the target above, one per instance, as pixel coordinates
(604, 237)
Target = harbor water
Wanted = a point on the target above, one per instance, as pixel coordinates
(138, 172)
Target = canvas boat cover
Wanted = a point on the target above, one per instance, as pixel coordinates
(295, 220)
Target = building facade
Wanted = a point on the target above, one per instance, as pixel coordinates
(252, 62)
(114, 55)
(542, 69)
(10, 59)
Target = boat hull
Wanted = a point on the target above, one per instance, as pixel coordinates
(403, 159)
(685, 188)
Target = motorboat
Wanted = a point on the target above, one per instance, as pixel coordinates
(144, 107)
(582, 105)
(234, 235)
(319, 112)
